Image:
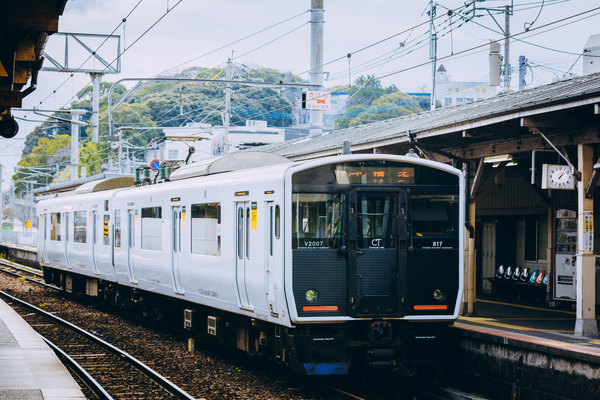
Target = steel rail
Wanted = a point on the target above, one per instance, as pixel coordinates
(82, 373)
(21, 267)
(158, 378)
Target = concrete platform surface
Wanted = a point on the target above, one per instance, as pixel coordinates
(550, 330)
(29, 369)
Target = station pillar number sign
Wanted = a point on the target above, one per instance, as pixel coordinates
(155, 165)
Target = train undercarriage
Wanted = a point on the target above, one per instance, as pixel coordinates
(311, 349)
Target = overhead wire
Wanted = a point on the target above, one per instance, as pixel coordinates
(476, 47)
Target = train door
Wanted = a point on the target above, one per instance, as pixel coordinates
(377, 252)
(67, 221)
(94, 240)
(176, 248)
(243, 221)
(270, 221)
(44, 237)
(130, 244)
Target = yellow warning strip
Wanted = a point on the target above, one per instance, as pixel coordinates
(494, 322)
(526, 307)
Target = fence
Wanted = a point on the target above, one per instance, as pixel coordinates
(19, 237)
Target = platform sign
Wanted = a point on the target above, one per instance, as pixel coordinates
(318, 100)
(155, 165)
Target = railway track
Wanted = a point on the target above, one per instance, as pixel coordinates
(119, 374)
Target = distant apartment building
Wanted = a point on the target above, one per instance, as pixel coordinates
(337, 108)
(210, 141)
(451, 93)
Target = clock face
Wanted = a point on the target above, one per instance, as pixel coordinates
(560, 177)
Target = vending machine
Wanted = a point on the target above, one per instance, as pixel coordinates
(565, 255)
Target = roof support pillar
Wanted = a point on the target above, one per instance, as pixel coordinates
(470, 279)
(585, 324)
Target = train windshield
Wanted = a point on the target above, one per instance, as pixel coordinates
(317, 220)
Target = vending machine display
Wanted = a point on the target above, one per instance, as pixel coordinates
(565, 255)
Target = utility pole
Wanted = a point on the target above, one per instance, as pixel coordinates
(522, 72)
(120, 152)
(226, 117)
(316, 61)
(432, 51)
(507, 11)
(96, 78)
(75, 114)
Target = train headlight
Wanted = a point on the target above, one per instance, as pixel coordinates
(439, 295)
(312, 295)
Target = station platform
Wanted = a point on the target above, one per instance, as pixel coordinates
(536, 327)
(29, 369)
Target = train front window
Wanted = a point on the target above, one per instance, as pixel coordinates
(434, 221)
(375, 219)
(317, 220)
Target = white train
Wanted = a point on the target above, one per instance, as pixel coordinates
(324, 265)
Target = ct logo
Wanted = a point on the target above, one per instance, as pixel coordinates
(376, 243)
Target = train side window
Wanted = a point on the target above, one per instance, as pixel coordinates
(105, 238)
(55, 222)
(117, 228)
(277, 222)
(248, 232)
(271, 229)
(80, 226)
(240, 233)
(151, 228)
(206, 229)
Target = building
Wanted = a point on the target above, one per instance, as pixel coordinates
(451, 93)
(336, 110)
(208, 141)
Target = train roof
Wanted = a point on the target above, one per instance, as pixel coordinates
(228, 163)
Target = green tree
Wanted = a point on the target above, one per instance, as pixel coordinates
(42, 162)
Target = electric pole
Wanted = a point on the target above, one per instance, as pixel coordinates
(75, 114)
(432, 51)
(522, 71)
(96, 78)
(507, 11)
(226, 117)
(316, 61)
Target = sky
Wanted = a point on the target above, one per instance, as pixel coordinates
(276, 34)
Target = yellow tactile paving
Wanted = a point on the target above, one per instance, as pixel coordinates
(496, 322)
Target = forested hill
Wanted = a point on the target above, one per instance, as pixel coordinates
(169, 104)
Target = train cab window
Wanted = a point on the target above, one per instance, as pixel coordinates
(434, 221)
(317, 220)
(117, 228)
(151, 228)
(55, 222)
(206, 229)
(80, 226)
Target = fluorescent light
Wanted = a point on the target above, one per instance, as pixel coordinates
(497, 159)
